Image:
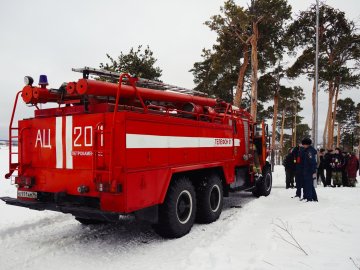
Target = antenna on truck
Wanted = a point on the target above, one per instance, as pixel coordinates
(146, 83)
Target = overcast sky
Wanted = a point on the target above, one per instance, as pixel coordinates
(50, 37)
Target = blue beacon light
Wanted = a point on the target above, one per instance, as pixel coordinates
(43, 81)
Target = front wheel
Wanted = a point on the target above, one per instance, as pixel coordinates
(263, 186)
(177, 213)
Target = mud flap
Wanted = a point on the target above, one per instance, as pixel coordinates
(150, 214)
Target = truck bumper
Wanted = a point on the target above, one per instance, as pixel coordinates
(77, 211)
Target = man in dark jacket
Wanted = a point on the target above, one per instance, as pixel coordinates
(327, 161)
(337, 164)
(290, 167)
(351, 169)
(343, 170)
(297, 153)
(321, 167)
(309, 170)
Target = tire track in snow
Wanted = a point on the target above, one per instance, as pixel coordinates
(36, 244)
(42, 222)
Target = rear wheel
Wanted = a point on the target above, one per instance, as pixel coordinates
(177, 213)
(209, 200)
(263, 186)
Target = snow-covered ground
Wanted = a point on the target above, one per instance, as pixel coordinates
(248, 235)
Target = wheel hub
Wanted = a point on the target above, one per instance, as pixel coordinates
(215, 198)
(184, 207)
(267, 181)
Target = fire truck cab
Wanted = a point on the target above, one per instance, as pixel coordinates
(134, 146)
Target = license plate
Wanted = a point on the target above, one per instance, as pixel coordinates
(27, 194)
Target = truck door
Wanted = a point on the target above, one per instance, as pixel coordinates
(260, 142)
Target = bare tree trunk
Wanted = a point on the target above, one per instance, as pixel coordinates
(254, 70)
(336, 90)
(282, 131)
(241, 78)
(330, 117)
(329, 122)
(276, 105)
(325, 131)
(295, 122)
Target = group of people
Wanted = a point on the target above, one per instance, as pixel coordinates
(307, 165)
(340, 167)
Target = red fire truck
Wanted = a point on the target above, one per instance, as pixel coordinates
(120, 145)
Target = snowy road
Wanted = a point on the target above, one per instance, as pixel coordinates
(245, 237)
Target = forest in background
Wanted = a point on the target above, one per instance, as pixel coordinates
(261, 46)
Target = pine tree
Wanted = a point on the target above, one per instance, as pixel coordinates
(339, 48)
(243, 35)
(140, 63)
(347, 119)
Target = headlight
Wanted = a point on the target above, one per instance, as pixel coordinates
(28, 80)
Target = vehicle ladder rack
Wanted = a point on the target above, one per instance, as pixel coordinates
(141, 82)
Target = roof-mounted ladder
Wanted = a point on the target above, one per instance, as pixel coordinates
(141, 82)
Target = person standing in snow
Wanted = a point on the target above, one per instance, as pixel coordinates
(309, 170)
(351, 169)
(321, 167)
(290, 166)
(337, 164)
(343, 171)
(256, 166)
(297, 152)
(328, 169)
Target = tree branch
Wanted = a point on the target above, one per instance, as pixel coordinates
(260, 19)
(356, 265)
(231, 24)
(285, 228)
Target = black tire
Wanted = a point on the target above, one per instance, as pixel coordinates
(177, 213)
(86, 221)
(263, 186)
(209, 200)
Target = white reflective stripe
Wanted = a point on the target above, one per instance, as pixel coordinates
(180, 142)
(146, 141)
(58, 142)
(158, 141)
(69, 143)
